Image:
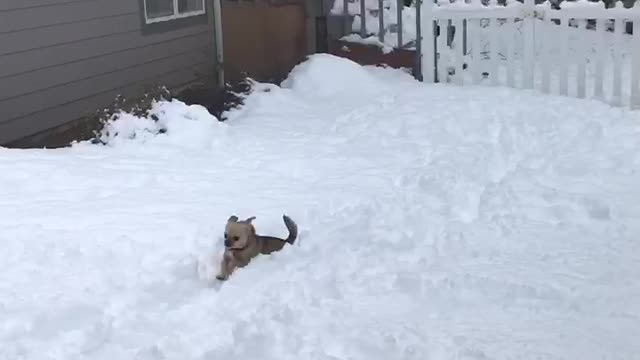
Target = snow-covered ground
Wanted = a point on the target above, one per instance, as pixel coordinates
(437, 222)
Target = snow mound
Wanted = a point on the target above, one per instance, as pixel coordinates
(436, 222)
(169, 122)
(325, 76)
(128, 127)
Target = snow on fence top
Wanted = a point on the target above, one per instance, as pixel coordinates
(398, 22)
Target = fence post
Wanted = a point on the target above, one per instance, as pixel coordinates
(400, 7)
(529, 43)
(363, 19)
(427, 43)
(345, 18)
(418, 41)
(635, 62)
(381, 21)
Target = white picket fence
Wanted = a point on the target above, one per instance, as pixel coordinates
(529, 46)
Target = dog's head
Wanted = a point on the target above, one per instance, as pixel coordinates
(238, 234)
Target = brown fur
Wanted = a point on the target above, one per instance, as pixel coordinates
(242, 244)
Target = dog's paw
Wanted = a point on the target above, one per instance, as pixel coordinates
(221, 277)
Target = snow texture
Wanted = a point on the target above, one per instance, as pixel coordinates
(371, 40)
(437, 222)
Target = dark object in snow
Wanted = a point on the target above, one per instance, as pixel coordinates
(217, 101)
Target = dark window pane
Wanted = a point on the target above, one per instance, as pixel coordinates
(159, 8)
(190, 5)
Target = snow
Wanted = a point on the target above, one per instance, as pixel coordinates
(437, 222)
(372, 24)
(371, 40)
(548, 44)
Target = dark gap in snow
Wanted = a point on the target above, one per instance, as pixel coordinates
(216, 100)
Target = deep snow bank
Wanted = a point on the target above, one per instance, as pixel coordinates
(322, 76)
(186, 125)
(437, 223)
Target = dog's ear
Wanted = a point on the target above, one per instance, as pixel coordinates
(233, 218)
(249, 220)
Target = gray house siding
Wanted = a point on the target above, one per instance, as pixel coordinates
(61, 60)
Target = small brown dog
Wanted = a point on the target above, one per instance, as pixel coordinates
(242, 244)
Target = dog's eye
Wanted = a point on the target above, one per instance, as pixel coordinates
(235, 238)
(225, 235)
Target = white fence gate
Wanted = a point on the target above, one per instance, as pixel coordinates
(569, 51)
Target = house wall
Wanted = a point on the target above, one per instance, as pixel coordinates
(61, 60)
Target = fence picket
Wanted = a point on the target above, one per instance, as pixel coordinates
(601, 30)
(545, 55)
(617, 60)
(459, 52)
(563, 30)
(511, 55)
(582, 61)
(442, 50)
(529, 45)
(635, 64)
(427, 41)
(474, 66)
(493, 50)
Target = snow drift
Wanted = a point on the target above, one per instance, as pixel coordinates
(436, 222)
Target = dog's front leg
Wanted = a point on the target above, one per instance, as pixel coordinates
(227, 265)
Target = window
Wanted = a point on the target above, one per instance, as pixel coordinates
(163, 10)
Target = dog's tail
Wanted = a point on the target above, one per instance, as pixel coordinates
(293, 229)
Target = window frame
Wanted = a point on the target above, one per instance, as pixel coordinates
(176, 13)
